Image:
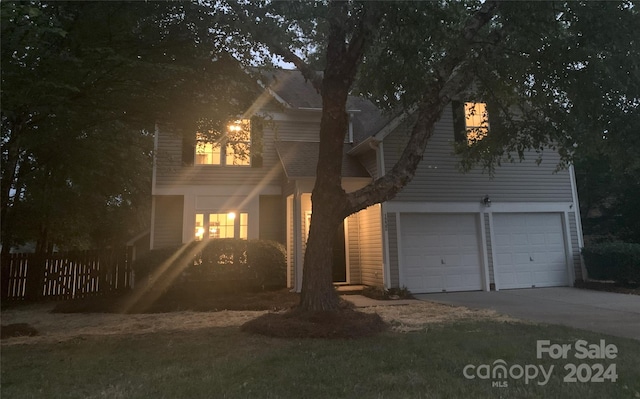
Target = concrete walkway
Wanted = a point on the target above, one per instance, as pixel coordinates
(602, 312)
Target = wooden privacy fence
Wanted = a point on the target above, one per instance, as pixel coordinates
(66, 275)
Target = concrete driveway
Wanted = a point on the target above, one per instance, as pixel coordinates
(602, 312)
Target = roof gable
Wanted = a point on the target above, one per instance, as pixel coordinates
(300, 159)
(292, 90)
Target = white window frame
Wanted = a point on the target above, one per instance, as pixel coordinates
(240, 225)
(476, 126)
(224, 143)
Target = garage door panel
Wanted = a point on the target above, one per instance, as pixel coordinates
(468, 241)
(440, 252)
(534, 254)
(517, 239)
(537, 239)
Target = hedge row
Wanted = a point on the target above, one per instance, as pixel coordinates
(617, 261)
(257, 264)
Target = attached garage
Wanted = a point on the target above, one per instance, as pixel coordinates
(529, 250)
(440, 252)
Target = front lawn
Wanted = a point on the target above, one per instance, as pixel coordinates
(226, 363)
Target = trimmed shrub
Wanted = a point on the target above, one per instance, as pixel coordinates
(617, 261)
(222, 259)
(253, 264)
(268, 262)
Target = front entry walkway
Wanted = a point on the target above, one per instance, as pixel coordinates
(603, 312)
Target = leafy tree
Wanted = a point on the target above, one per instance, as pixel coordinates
(83, 84)
(560, 74)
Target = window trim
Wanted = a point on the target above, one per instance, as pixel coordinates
(223, 144)
(238, 226)
(460, 126)
(479, 131)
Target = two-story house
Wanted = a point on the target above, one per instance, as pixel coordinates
(446, 231)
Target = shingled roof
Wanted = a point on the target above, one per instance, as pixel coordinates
(300, 158)
(298, 93)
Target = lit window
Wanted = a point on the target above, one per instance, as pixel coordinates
(476, 121)
(199, 226)
(233, 148)
(207, 153)
(221, 225)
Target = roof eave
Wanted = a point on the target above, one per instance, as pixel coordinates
(365, 145)
(394, 123)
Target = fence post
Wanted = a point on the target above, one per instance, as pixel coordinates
(127, 268)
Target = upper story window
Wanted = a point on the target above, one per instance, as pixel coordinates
(231, 148)
(476, 121)
(470, 122)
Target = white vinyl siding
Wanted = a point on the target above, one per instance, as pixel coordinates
(353, 248)
(370, 238)
(290, 243)
(170, 171)
(167, 224)
(439, 179)
(297, 129)
(392, 232)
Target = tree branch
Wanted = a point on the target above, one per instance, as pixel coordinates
(276, 46)
(454, 77)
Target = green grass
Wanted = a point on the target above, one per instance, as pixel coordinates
(226, 363)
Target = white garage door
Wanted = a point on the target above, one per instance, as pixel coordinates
(530, 250)
(440, 252)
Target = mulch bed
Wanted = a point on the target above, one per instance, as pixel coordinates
(608, 286)
(17, 330)
(186, 297)
(284, 319)
(342, 323)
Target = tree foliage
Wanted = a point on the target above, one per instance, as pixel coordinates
(83, 84)
(559, 75)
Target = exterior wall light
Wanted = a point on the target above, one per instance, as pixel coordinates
(486, 201)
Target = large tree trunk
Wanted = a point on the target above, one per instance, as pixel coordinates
(330, 203)
(328, 198)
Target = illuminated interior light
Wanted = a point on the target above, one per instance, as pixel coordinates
(231, 215)
(200, 233)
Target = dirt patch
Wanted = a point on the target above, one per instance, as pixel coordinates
(420, 316)
(57, 327)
